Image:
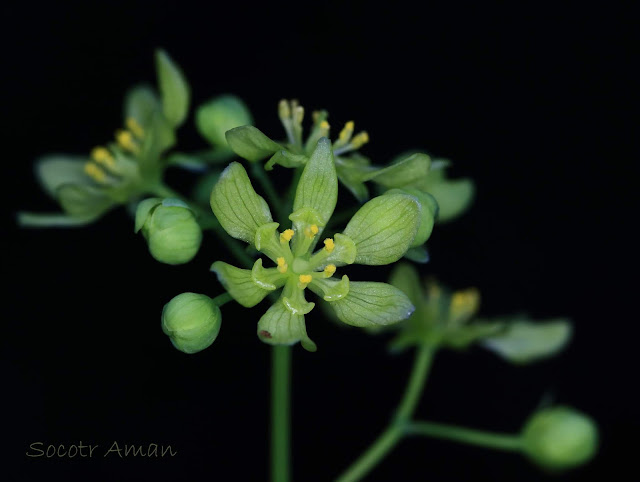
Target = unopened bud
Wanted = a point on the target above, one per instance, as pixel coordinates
(192, 322)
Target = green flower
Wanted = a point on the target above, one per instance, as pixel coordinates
(353, 169)
(446, 318)
(379, 233)
(123, 170)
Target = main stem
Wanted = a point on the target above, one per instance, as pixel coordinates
(393, 433)
(280, 413)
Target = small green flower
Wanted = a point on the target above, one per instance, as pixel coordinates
(379, 233)
(123, 170)
(449, 319)
(192, 322)
(353, 169)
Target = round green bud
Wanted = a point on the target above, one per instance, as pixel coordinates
(560, 438)
(219, 115)
(192, 322)
(171, 230)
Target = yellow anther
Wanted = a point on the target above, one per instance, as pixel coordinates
(125, 140)
(94, 172)
(324, 125)
(102, 156)
(134, 127)
(359, 140)
(346, 132)
(314, 229)
(283, 109)
(305, 278)
(282, 265)
(465, 303)
(329, 245)
(286, 236)
(330, 269)
(298, 114)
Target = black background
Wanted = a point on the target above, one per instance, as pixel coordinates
(532, 103)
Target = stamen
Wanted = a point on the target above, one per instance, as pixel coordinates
(346, 132)
(282, 265)
(286, 236)
(298, 114)
(314, 229)
(94, 172)
(125, 140)
(329, 245)
(102, 156)
(305, 279)
(324, 125)
(359, 140)
(311, 231)
(134, 127)
(329, 270)
(283, 109)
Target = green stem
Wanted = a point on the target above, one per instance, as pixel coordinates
(388, 439)
(280, 413)
(222, 299)
(257, 169)
(498, 441)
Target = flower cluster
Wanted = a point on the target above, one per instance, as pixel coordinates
(380, 233)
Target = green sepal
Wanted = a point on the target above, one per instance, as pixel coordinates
(55, 170)
(250, 143)
(159, 136)
(279, 326)
(267, 241)
(351, 177)
(140, 103)
(384, 228)
(201, 192)
(50, 220)
(406, 172)
(330, 289)
(318, 185)
(239, 209)
(286, 159)
(266, 278)
(143, 210)
(370, 304)
(405, 277)
(220, 114)
(174, 89)
(463, 336)
(83, 201)
(428, 212)
(524, 341)
(454, 196)
(239, 283)
(418, 254)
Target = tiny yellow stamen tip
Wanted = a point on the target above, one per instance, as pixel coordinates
(283, 269)
(286, 235)
(349, 125)
(135, 127)
(314, 229)
(330, 269)
(125, 140)
(281, 261)
(94, 172)
(305, 278)
(324, 125)
(102, 156)
(329, 245)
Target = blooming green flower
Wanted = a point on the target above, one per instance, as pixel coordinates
(121, 171)
(353, 169)
(379, 233)
(449, 319)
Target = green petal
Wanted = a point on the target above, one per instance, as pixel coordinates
(267, 278)
(143, 210)
(318, 185)
(83, 201)
(240, 285)
(384, 228)
(174, 89)
(525, 341)
(54, 171)
(52, 220)
(267, 241)
(240, 210)
(428, 212)
(286, 159)
(417, 254)
(405, 277)
(404, 173)
(141, 103)
(330, 289)
(218, 115)
(352, 182)
(250, 143)
(159, 136)
(278, 326)
(370, 304)
(453, 196)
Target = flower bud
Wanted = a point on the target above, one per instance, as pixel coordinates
(560, 438)
(170, 228)
(192, 322)
(219, 115)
